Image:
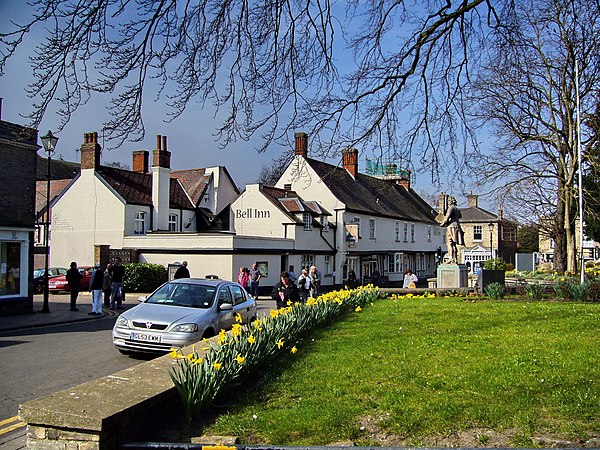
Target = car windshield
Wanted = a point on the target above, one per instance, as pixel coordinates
(38, 273)
(182, 294)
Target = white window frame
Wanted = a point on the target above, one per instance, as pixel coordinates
(327, 264)
(357, 222)
(405, 232)
(372, 228)
(398, 262)
(428, 233)
(412, 232)
(325, 223)
(477, 230)
(390, 263)
(307, 260)
(307, 219)
(173, 222)
(139, 223)
(397, 231)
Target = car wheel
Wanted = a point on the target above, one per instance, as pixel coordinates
(208, 333)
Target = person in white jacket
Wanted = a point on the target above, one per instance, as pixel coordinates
(410, 280)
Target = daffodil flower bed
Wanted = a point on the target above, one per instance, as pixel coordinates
(200, 375)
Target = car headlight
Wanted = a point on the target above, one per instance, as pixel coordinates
(122, 322)
(186, 328)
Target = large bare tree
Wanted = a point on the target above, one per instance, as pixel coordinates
(387, 75)
(527, 94)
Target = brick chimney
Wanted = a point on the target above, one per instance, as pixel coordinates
(473, 203)
(405, 182)
(443, 203)
(350, 161)
(500, 213)
(90, 151)
(301, 144)
(161, 184)
(140, 161)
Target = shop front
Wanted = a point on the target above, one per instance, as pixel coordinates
(14, 270)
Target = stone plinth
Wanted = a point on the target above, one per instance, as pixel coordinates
(452, 276)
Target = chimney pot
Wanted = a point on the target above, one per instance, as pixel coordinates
(90, 151)
(158, 141)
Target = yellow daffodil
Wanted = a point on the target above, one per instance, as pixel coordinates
(240, 359)
(251, 339)
(189, 356)
(358, 309)
(197, 361)
(238, 318)
(217, 365)
(280, 343)
(236, 329)
(294, 350)
(175, 353)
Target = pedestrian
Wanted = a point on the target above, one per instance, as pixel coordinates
(375, 276)
(410, 280)
(96, 286)
(73, 277)
(255, 277)
(117, 276)
(292, 274)
(304, 285)
(285, 291)
(315, 280)
(244, 278)
(182, 271)
(106, 282)
(352, 281)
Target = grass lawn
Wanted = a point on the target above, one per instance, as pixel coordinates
(434, 372)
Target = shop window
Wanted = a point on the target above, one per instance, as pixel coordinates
(10, 268)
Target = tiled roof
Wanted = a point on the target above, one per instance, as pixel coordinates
(194, 181)
(476, 214)
(59, 169)
(56, 188)
(289, 202)
(370, 195)
(136, 188)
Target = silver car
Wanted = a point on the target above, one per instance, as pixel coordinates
(182, 312)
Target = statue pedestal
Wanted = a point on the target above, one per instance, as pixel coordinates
(452, 276)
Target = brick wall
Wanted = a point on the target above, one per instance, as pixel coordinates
(18, 161)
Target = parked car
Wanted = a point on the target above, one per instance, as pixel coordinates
(182, 312)
(59, 284)
(38, 277)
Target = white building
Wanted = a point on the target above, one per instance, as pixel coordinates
(380, 223)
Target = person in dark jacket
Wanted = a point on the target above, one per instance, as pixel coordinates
(117, 276)
(96, 285)
(106, 285)
(73, 277)
(182, 271)
(285, 291)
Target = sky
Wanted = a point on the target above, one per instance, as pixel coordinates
(190, 137)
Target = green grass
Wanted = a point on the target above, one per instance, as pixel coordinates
(427, 367)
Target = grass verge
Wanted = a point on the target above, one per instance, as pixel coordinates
(408, 371)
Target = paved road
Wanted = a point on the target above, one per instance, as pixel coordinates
(40, 361)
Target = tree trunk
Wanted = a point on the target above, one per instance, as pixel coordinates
(560, 243)
(569, 225)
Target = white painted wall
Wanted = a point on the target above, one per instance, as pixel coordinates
(88, 213)
(223, 191)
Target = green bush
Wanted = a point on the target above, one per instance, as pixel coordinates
(534, 291)
(509, 267)
(563, 289)
(594, 291)
(495, 291)
(578, 291)
(495, 264)
(143, 277)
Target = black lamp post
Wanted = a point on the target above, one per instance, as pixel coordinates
(491, 228)
(49, 142)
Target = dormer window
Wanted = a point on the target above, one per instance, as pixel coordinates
(324, 223)
(307, 219)
(173, 222)
(139, 223)
(287, 187)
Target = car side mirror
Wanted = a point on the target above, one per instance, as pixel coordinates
(142, 298)
(225, 307)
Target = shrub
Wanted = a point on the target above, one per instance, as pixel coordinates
(495, 264)
(509, 267)
(589, 264)
(578, 291)
(563, 289)
(144, 277)
(594, 291)
(495, 291)
(545, 268)
(534, 291)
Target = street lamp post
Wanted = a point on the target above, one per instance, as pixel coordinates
(491, 228)
(49, 142)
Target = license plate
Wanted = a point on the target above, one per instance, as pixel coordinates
(145, 337)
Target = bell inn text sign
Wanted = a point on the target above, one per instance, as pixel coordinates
(252, 213)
